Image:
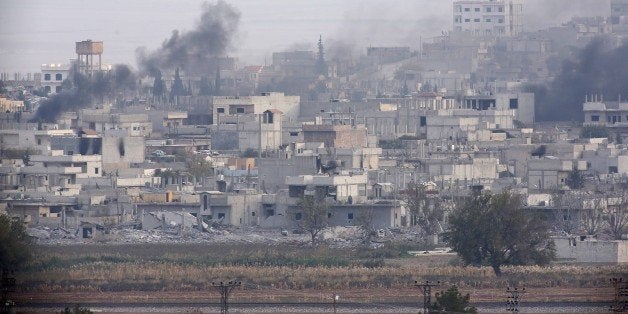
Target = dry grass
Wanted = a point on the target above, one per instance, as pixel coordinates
(193, 268)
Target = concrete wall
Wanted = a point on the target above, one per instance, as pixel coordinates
(573, 249)
(119, 151)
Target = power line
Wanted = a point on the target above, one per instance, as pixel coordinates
(620, 303)
(513, 298)
(225, 290)
(426, 288)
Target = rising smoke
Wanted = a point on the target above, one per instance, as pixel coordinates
(195, 51)
(598, 69)
(81, 91)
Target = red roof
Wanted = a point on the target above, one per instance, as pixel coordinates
(253, 68)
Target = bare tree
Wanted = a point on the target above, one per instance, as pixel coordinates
(311, 215)
(591, 216)
(425, 209)
(365, 222)
(616, 215)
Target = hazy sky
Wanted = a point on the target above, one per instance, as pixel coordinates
(33, 32)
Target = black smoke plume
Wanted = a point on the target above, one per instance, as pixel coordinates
(81, 91)
(598, 69)
(194, 51)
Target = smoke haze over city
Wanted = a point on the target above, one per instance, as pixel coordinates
(33, 32)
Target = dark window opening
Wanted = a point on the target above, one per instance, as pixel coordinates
(514, 103)
(328, 215)
(58, 89)
(221, 215)
(46, 77)
(595, 118)
(350, 216)
(239, 110)
(298, 216)
(58, 77)
(220, 110)
(423, 121)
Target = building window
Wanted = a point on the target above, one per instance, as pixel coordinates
(423, 121)
(467, 20)
(220, 110)
(96, 170)
(489, 9)
(298, 216)
(488, 20)
(500, 9)
(239, 110)
(328, 215)
(612, 169)
(350, 216)
(501, 21)
(514, 103)
(221, 215)
(253, 214)
(608, 119)
(57, 89)
(595, 118)
(47, 77)
(467, 9)
(477, 9)
(58, 77)
(476, 20)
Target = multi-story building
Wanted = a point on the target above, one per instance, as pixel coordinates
(225, 107)
(612, 114)
(53, 75)
(619, 12)
(488, 17)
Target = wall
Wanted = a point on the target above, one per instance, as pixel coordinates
(592, 251)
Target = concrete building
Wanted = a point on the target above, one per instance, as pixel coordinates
(102, 120)
(239, 208)
(338, 136)
(29, 138)
(8, 105)
(53, 75)
(260, 132)
(521, 103)
(225, 107)
(550, 173)
(619, 12)
(488, 17)
(612, 114)
(584, 250)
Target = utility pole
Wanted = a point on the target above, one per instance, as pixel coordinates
(514, 294)
(426, 288)
(225, 289)
(336, 297)
(7, 285)
(620, 303)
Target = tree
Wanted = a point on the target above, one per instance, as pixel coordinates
(594, 131)
(199, 167)
(321, 64)
(494, 230)
(15, 244)
(204, 88)
(616, 216)
(591, 216)
(425, 210)
(452, 301)
(158, 86)
(575, 180)
(367, 228)
(177, 86)
(311, 215)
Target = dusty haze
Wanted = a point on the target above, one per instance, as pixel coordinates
(33, 32)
